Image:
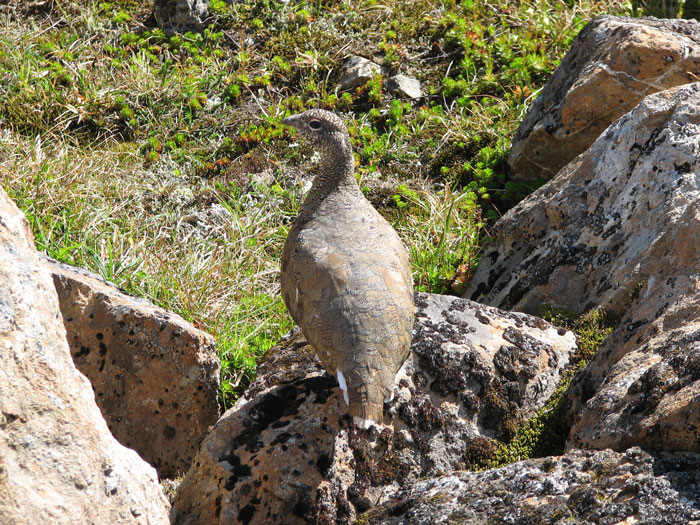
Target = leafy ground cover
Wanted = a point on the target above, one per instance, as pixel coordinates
(159, 161)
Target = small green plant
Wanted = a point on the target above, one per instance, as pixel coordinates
(658, 8)
(373, 89)
(546, 432)
(441, 231)
(219, 7)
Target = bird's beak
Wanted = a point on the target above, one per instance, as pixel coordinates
(288, 121)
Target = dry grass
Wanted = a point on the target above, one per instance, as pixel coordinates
(149, 231)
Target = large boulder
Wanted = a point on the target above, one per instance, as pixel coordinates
(581, 487)
(588, 237)
(643, 386)
(58, 461)
(619, 229)
(612, 65)
(155, 376)
(287, 451)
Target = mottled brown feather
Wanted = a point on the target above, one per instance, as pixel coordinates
(345, 276)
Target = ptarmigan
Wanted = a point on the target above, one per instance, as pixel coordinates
(345, 276)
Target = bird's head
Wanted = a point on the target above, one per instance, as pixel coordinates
(323, 130)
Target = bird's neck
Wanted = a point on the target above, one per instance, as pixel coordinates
(336, 172)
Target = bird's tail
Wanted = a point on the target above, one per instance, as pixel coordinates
(366, 405)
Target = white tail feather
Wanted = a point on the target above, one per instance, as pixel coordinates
(343, 386)
(363, 423)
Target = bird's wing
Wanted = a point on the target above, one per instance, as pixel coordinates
(352, 299)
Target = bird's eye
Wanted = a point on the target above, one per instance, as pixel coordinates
(315, 124)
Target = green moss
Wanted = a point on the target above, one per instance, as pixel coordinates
(546, 432)
(479, 451)
(499, 413)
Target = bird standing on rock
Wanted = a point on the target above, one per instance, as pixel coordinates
(345, 275)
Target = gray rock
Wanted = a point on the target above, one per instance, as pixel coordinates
(180, 16)
(358, 70)
(612, 65)
(403, 86)
(58, 461)
(581, 487)
(591, 235)
(619, 229)
(643, 386)
(287, 451)
(155, 376)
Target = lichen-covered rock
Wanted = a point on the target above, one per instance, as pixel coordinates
(619, 229)
(180, 16)
(612, 65)
(600, 487)
(643, 386)
(358, 70)
(287, 452)
(58, 461)
(155, 376)
(589, 237)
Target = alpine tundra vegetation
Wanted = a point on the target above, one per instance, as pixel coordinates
(159, 160)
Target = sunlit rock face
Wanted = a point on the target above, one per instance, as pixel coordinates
(612, 65)
(287, 451)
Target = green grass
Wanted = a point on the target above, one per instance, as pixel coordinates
(160, 163)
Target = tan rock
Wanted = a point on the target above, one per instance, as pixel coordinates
(288, 453)
(357, 71)
(404, 86)
(154, 375)
(643, 386)
(58, 461)
(612, 65)
(587, 238)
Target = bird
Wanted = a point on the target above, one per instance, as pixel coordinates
(345, 275)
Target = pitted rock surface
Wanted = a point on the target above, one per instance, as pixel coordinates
(601, 487)
(612, 65)
(588, 237)
(155, 376)
(58, 461)
(287, 453)
(643, 386)
(618, 229)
